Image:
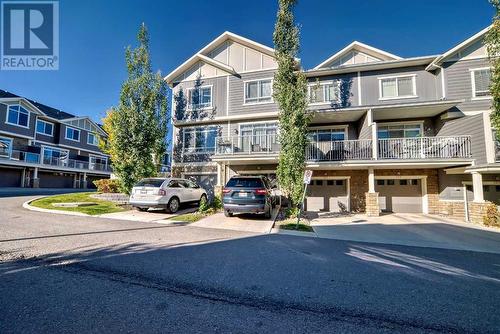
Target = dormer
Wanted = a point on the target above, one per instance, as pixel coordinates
(356, 53)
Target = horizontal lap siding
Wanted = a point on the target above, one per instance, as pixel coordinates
(236, 95)
(459, 84)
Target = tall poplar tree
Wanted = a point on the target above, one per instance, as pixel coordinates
(137, 127)
(290, 92)
(492, 40)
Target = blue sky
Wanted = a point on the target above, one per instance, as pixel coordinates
(94, 34)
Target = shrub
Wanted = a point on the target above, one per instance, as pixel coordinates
(210, 207)
(204, 205)
(491, 216)
(107, 185)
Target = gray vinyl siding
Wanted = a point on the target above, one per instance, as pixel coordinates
(4, 126)
(451, 186)
(458, 83)
(466, 126)
(425, 85)
(365, 131)
(82, 144)
(237, 96)
(348, 90)
(219, 93)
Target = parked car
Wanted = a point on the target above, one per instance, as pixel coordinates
(167, 193)
(248, 194)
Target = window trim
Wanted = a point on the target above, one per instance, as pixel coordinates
(473, 84)
(74, 129)
(329, 127)
(190, 106)
(193, 130)
(323, 83)
(245, 103)
(14, 124)
(99, 157)
(43, 133)
(11, 140)
(95, 136)
(414, 86)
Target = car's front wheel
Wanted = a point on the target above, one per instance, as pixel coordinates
(227, 213)
(141, 209)
(173, 205)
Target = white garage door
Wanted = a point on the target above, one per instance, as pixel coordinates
(400, 195)
(327, 196)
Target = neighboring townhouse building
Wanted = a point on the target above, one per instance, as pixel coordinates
(387, 133)
(44, 147)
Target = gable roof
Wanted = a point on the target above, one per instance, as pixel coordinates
(75, 118)
(439, 60)
(358, 46)
(202, 54)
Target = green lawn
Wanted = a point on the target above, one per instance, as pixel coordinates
(101, 206)
(189, 217)
(291, 224)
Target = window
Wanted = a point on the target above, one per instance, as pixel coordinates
(399, 131)
(44, 128)
(18, 115)
(327, 135)
(175, 184)
(55, 156)
(339, 182)
(414, 182)
(330, 183)
(156, 183)
(97, 162)
(199, 140)
(200, 98)
(72, 134)
(92, 139)
(403, 182)
(319, 182)
(324, 92)
(258, 91)
(390, 182)
(397, 87)
(259, 137)
(380, 182)
(5, 147)
(481, 82)
(245, 182)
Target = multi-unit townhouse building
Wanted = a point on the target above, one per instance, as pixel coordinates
(387, 133)
(41, 146)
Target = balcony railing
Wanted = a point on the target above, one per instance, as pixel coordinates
(425, 148)
(252, 144)
(34, 158)
(341, 150)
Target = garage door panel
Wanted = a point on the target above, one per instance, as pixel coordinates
(327, 196)
(10, 177)
(400, 196)
(55, 180)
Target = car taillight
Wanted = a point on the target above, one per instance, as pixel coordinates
(260, 191)
(226, 191)
(162, 192)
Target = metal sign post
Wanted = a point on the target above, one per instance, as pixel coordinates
(307, 180)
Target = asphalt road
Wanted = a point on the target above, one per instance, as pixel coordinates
(68, 273)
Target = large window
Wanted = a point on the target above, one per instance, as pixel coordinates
(18, 115)
(326, 135)
(324, 92)
(5, 147)
(199, 140)
(72, 134)
(399, 131)
(481, 82)
(200, 97)
(55, 156)
(259, 136)
(397, 87)
(92, 139)
(258, 91)
(97, 162)
(44, 128)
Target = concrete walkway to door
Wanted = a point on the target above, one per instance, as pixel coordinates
(410, 230)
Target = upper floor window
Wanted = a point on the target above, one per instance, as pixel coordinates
(326, 92)
(200, 97)
(399, 131)
(54, 156)
(200, 139)
(481, 82)
(18, 115)
(44, 128)
(92, 139)
(5, 147)
(327, 135)
(397, 87)
(258, 91)
(72, 134)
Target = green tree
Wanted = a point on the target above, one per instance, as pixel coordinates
(290, 92)
(492, 41)
(137, 127)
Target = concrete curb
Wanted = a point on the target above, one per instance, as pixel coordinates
(277, 230)
(27, 206)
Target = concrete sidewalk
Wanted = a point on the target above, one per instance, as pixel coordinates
(410, 230)
(147, 216)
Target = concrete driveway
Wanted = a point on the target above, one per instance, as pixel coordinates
(242, 222)
(409, 230)
(148, 216)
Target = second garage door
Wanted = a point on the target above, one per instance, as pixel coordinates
(404, 196)
(327, 196)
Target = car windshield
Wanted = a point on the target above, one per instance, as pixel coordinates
(150, 183)
(245, 183)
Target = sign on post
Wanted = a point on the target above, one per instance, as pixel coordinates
(307, 176)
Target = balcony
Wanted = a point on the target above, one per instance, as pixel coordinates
(244, 145)
(425, 148)
(22, 157)
(341, 150)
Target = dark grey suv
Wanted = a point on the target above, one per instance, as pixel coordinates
(248, 194)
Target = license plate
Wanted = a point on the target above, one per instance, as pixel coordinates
(243, 194)
(144, 192)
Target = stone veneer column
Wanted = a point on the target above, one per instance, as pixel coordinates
(36, 180)
(477, 211)
(372, 205)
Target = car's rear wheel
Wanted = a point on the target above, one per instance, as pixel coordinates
(141, 209)
(203, 198)
(227, 213)
(173, 205)
(267, 214)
